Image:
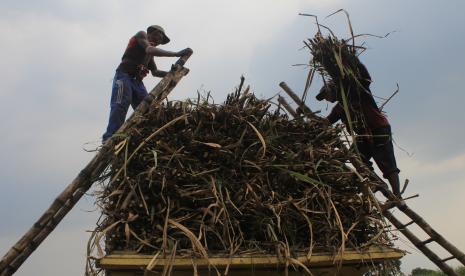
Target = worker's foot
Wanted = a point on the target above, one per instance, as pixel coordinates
(104, 140)
(393, 179)
(396, 191)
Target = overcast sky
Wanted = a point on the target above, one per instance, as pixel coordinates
(58, 60)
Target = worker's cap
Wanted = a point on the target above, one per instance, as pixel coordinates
(327, 88)
(161, 30)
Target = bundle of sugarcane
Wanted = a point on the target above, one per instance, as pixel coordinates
(337, 62)
(198, 178)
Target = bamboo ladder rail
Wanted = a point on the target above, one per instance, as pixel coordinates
(84, 180)
(394, 202)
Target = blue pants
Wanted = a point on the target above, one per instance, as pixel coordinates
(126, 91)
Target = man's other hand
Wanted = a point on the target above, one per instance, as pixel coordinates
(184, 52)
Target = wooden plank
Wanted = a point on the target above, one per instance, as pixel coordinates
(353, 270)
(322, 259)
(358, 268)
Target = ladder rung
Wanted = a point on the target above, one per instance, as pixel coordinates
(407, 224)
(447, 259)
(427, 241)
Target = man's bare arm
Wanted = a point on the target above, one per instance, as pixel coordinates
(153, 68)
(154, 51)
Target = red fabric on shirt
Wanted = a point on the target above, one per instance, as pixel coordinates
(365, 117)
(134, 56)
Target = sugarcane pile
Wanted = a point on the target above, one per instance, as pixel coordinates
(200, 178)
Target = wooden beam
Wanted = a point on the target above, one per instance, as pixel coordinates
(304, 108)
(375, 253)
(286, 106)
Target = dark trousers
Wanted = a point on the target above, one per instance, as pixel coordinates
(380, 148)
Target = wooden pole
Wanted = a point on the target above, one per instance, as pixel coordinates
(286, 106)
(304, 108)
(74, 191)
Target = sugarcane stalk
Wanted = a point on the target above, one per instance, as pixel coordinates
(19, 252)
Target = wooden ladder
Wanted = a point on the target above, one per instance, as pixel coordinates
(394, 202)
(82, 183)
(434, 236)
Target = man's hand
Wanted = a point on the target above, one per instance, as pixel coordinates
(144, 73)
(184, 52)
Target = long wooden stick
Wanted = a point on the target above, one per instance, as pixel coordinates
(286, 106)
(304, 108)
(74, 191)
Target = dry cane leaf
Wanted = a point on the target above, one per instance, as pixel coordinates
(213, 145)
(262, 140)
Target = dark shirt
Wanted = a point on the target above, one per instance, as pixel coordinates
(365, 117)
(363, 110)
(134, 57)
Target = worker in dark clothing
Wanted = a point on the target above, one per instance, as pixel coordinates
(137, 61)
(372, 131)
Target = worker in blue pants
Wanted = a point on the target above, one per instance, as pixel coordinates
(137, 61)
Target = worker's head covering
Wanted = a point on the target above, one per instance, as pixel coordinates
(161, 30)
(327, 88)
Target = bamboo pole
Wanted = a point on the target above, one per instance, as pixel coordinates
(74, 191)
